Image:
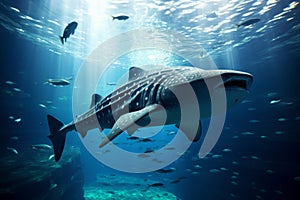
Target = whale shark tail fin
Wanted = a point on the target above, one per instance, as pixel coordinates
(57, 136)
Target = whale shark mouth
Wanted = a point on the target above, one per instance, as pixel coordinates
(236, 84)
(236, 81)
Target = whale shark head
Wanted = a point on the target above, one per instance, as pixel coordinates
(236, 85)
(209, 86)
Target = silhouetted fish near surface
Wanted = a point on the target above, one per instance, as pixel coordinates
(211, 15)
(70, 29)
(247, 22)
(120, 17)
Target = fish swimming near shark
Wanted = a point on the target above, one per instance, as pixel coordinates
(70, 29)
(144, 95)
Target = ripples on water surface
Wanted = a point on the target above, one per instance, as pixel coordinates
(42, 22)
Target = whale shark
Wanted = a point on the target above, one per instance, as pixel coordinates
(156, 97)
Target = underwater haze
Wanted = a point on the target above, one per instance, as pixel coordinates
(258, 153)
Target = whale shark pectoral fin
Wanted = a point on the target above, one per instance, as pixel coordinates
(189, 131)
(126, 121)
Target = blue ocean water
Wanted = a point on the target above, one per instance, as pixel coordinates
(257, 154)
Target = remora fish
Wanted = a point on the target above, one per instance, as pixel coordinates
(70, 29)
(247, 22)
(145, 93)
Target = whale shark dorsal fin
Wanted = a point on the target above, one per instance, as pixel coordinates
(190, 132)
(135, 72)
(95, 99)
(127, 121)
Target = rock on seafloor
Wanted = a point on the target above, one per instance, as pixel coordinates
(35, 175)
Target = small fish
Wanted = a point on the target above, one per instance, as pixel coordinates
(10, 82)
(111, 83)
(272, 94)
(51, 156)
(247, 133)
(18, 120)
(41, 146)
(165, 170)
(223, 169)
(156, 185)
(214, 170)
(175, 181)
(11, 117)
(227, 150)
(17, 89)
(148, 151)
(275, 101)
(197, 167)
(12, 150)
(211, 15)
(146, 140)
(52, 186)
(171, 133)
(254, 121)
(120, 17)
(248, 22)
(217, 156)
(234, 183)
(133, 138)
(170, 148)
(143, 155)
(14, 138)
(70, 29)
(282, 119)
(254, 157)
(58, 82)
(279, 132)
(42, 105)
